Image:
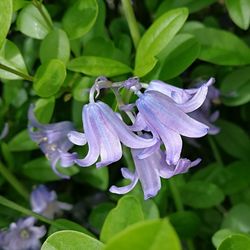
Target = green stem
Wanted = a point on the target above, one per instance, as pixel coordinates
(132, 23)
(17, 185)
(176, 195)
(39, 6)
(215, 151)
(13, 71)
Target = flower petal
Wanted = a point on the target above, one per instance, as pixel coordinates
(77, 138)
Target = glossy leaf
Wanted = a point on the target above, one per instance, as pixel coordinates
(10, 56)
(158, 35)
(198, 194)
(55, 46)
(146, 235)
(222, 47)
(235, 242)
(239, 12)
(31, 23)
(96, 66)
(5, 19)
(221, 235)
(118, 219)
(235, 87)
(49, 78)
(80, 18)
(44, 109)
(233, 139)
(70, 240)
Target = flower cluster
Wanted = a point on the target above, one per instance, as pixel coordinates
(165, 113)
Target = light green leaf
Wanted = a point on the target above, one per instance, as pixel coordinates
(80, 89)
(31, 23)
(44, 109)
(158, 35)
(80, 18)
(198, 194)
(5, 19)
(55, 46)
(235, 87)
(233, 140)
(96, 66)
(221, 235)
(49, 78)
(146, 235)
(71, 240)
(119, 218)
(10, 56)
(22, 142)
(239, 12)
(180, 53)
(222, 47)
(235, 242)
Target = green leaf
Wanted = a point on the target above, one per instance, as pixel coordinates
(186, 223)
(96, 66)
(221, 235)
(198, 194)
(49, 78)
(43, 167)
(31, 23)
(5, 19)
(55, 46)
(10, 56)
(158, 35)
(71, 240)
(146, 235)
(44, 109)
(239, 12)
(67, 225)
(180, 53)
(235, 87)
(80, 18)
(22, 142)
(119, 218)
(221, 47)
(235, 242)
(80, 89)
(237, 219)
(233, 140)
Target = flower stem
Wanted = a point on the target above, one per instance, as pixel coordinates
(14, 182)
(39, 6)
(13, 71)
(215, 151)
(132, 23)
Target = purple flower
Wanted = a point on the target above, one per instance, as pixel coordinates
(149, 170)
(52, 139)
(22, 235)
(168, 120)
(45, 202)
(5, 131)
(104, 132)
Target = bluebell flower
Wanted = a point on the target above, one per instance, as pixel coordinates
(104, 131)
(149, 170)
(5, 131)
(168, 120)
(45, 202)
(52, 140)
(22, 235)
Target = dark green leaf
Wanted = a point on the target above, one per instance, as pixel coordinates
(49, 78)
(96, 66)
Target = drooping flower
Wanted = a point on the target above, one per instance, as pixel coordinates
(22, 235)
(149, 170)
(52, 139)
(104, 131)
(5, 131)
(45, 202)
(168, 120)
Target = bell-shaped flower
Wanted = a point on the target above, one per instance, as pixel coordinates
(22, 235)
(52, 140)
(45, 202)
(149, 170)
(168, 120)
(104, 131)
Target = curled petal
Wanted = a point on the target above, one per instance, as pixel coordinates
(77, 138)
(139, 123)
(67, 159)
